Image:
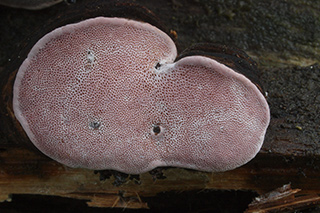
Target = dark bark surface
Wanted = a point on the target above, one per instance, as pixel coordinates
(282, 36)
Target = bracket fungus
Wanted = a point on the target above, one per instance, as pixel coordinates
(106, 93)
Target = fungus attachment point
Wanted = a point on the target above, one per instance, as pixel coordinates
(208, 116)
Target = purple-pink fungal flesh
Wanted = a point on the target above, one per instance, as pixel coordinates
(105, 93)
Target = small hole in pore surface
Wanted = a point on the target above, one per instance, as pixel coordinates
(95, 125)
(158, 65)
(156, 129)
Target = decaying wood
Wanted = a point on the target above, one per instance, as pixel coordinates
(290, 154)
(283, 199)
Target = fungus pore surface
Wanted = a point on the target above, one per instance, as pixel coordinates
(105, 93)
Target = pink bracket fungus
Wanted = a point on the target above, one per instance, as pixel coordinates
(105, 93)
